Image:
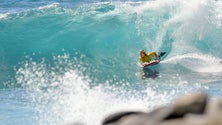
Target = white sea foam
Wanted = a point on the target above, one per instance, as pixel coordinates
(61, 96)
(197, 62)
(3, 16)
(53, 5)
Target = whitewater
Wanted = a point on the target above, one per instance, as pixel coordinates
(65, 62)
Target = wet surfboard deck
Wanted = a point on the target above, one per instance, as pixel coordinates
(155, 62)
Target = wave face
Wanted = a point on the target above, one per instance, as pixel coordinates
(77, 61)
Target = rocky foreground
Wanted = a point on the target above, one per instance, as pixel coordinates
(193, 109)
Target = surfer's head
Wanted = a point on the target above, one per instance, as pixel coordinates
(142, 53)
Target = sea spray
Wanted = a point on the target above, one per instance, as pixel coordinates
(63, 95)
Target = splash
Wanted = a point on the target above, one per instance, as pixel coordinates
(62, 94)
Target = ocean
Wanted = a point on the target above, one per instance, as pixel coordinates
(76, 61)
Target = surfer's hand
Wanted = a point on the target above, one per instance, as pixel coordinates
(157, 60)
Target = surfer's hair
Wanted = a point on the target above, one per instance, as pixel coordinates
(143, 51)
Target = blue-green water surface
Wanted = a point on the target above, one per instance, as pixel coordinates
(67, 61)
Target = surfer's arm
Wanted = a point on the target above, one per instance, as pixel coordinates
(142, 62)
(156, 56)
(140, 59)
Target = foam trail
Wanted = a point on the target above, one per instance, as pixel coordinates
(197, 62)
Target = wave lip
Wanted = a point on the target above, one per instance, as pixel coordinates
(52, 8)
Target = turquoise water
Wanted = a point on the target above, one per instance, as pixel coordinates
(77, 61)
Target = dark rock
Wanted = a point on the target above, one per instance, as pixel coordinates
(138, 118)
(214, 108)
(160, 114)
(133, 119)
(175, 114)
(117, 116)
(213, 114)
(194, 103)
